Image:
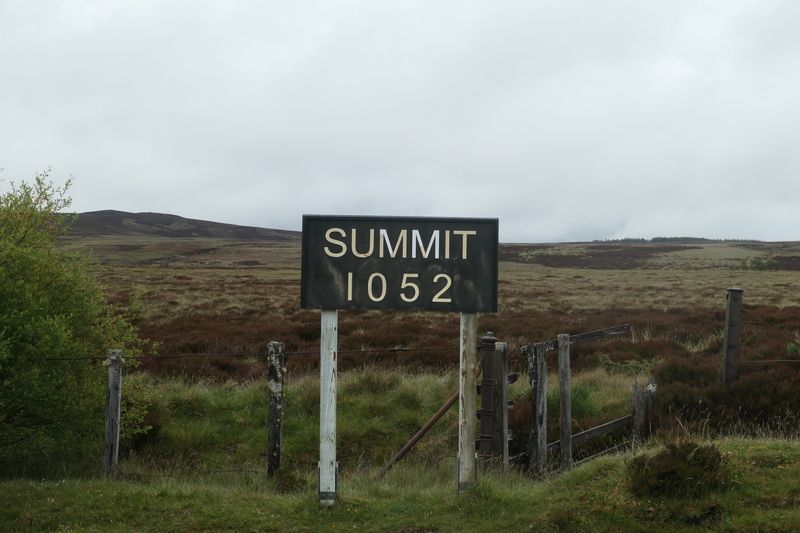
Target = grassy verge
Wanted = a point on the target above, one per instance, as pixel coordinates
(206, 428)
(763, 494)
(212, 430)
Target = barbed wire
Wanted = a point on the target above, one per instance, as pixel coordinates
(179, 355)
(771, 361)
(136, 475)
(396, 349)
(95, 358)
(256, 354)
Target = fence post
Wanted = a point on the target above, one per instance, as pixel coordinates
(501, 397)
(732, 348)
(643, 403)
(111, 451)
(565, 400)
(537, 376)
(275, 368)
(489, 407)
(466, 472)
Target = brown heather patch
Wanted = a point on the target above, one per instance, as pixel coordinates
(657, 335)
(222, 296)
(787, 262)
(594, 256)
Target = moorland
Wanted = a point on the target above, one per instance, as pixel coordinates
(211, 290)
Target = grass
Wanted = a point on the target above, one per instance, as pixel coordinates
(217, 432)
(205, 428)
(763, 495)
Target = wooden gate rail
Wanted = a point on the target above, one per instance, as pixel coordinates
(595, 432)
(596, 335)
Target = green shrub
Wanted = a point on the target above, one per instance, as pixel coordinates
(757, 263)
(581, 404)
(51, 409)
(684, 467)
(141, 412)
(793, 348)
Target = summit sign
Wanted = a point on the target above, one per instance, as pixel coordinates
(425, 264)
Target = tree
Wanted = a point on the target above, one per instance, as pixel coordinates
(51, 410)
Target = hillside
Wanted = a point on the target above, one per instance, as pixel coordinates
(121, 223)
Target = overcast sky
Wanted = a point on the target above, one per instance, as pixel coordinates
(566, 120)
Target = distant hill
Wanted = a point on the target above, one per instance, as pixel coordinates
(161, 225)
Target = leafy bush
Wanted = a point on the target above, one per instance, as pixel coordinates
(141, 412)
(51, 409)
(758, 263)
(684, 467)
(581, 404)
(793, 348)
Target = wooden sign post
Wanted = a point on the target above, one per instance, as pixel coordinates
(328, 467)
(415, 264)
(468, 390)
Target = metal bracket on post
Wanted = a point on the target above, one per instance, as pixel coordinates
(327, 498)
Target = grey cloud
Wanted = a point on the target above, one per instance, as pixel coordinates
(567, 120)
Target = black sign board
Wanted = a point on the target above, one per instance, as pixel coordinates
(428, 264)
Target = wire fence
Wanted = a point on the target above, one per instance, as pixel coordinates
(373, 351)
(771, 361)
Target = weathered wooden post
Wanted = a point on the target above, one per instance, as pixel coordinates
(732, 348)
(565, 400)
(501, 435)
(466, 475)
(489, 405)
(328, 467)
(643, 404)
(111, 451)
(275, 369)
(537, 375)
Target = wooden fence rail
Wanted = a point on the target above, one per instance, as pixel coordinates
(595, 432)
(640, 420)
